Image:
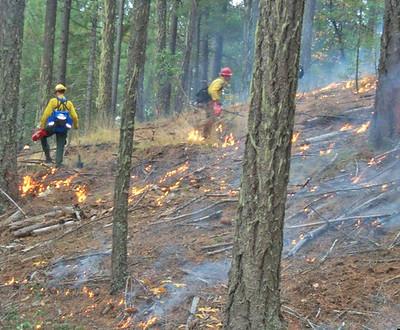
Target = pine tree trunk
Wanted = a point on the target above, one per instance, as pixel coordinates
(172, 50)
(46, 70)
(88, 113)
(386, 120)
(196, 73)
(254, 284)
(182, 95)
(64, 42)
(136, 61)
(161, 60)
(219, 43)
(307, 34)
(117, 58)
(106, 63)
(11, 37)
(251, 17)
(205, 50)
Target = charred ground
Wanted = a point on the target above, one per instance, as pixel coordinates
(341, 264)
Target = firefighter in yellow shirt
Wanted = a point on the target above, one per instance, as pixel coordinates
(58, 117)
(214, 109)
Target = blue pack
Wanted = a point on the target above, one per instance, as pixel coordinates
(60, 120)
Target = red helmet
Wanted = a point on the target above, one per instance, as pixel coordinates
(226, 72)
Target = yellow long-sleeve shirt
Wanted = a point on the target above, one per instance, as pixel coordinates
(54, 104)
(216, 87)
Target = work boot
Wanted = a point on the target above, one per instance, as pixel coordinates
(48, 159)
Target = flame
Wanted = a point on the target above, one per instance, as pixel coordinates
(363, 128)
(229, 141)
(346, 127)
(304, 147)
(147, 324)
(219, 128)
(28, 185)
(295, 137)
(125, 324)
(12, 281)
(88, 292)
(81, 193)
(195, 136)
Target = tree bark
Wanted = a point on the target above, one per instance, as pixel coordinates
(172, 50)
(254, 283)
(386, 120)
(117, 58)
(136, 61)
(161, 58)
(106, 63)
(251, 17)
(91, 67)
(46, 70)
(182, 95)
(11, 37)
(219, 43)
(205, 50)
(307, 34)
(196, 74)
(64, 42)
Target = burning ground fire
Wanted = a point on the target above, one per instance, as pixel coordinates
(39, 187)
(195, 137)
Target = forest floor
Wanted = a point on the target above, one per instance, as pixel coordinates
(341, 263)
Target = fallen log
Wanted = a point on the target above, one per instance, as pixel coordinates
(228, 248)
(26, 231)
(214, 246)
(56, 213)
(46, 230)
(327, 136)
(215, 215)
(11, 219)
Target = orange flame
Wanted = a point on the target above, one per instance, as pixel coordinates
(81, 193)
(28, 185)
(146, 325)
(363, 128)
(229, 141)
(295, 137)
(195, 136)
(346, 127)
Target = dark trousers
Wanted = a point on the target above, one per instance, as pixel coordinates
(61, 139)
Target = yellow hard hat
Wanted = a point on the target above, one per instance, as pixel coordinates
(60, 88)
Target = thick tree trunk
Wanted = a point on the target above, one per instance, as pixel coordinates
(205, 49)
(162, 59)
(254, 284)
(183, 92)
(11, 36)
(117, 58)
(307, 34)
(106, 63)
(64, 42)
(251, 17)
(219, 42)
(386, 120)
(91, 68)
(172, 50)
(136, 61)
(46, 70)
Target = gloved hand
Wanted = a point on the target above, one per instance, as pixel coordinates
(217, 108)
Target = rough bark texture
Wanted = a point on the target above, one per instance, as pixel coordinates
(46, 70)
(162, 60)
(251, 17)
(64, 42)
(11, 36)
(386, 120)
(307, 34)
(219, 42)
(91, 67)
(172, 50)
(136, 61)
(182, 95)
(204, 49)
(117, 57)
(106, 62)
(254, 292)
